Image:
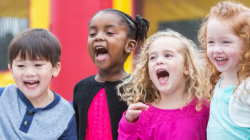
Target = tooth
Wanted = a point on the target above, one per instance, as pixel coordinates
(99, 47)
(159, 71)
(32, 85)
(220, 59)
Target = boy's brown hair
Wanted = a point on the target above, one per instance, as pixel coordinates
(35, 44)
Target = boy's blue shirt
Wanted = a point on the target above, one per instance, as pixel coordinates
(1, 90)
(20, 120)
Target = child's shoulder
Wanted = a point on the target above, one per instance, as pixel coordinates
(84, 83)
(205, 102)
(11, 88)
(1, 90)
(205, 107)
(86, 80)
(64, 104)
(239, 104)
(9, 95)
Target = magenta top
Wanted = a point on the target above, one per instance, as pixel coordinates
(98, 125)
(163, 124)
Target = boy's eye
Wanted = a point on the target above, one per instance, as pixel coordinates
(37, 65)
(168, 55)
(210, 42)
(226, 42)
(20, 65)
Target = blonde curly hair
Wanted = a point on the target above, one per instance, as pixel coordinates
(139, 88)
(237, 16)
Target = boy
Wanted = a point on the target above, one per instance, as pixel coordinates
(31, 111)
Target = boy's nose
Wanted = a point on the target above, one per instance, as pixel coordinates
(30, 73)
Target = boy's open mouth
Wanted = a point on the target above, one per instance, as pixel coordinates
(101, 53)
(31, 83)
(162, 75)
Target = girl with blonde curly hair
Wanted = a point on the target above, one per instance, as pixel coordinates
(225, 35)
(166, 91)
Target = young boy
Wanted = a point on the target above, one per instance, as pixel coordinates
(31, 111)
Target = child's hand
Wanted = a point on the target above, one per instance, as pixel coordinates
(134, 110)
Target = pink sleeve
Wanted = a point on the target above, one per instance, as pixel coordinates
(126, 130)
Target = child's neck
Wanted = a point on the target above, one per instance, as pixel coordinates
(43, 100)
(229, 79)
(172, 101)
(110, 75)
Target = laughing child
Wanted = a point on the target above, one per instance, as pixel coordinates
(29, 110)
(168, 91)
(113, 35)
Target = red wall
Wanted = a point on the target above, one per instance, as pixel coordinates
(69, 23)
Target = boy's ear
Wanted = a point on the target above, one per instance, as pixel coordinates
(131, 46)
(10, 69)
(56, 69)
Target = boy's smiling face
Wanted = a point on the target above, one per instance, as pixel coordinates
(107, 41)
(33, 77)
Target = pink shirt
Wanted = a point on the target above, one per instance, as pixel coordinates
(163, 124)
(98, 125)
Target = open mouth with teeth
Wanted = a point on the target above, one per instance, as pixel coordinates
(31, 84)
(101, 53)
(221, 59)
(162, 75)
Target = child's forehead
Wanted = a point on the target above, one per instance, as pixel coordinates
(28, 57)
(165, 43)
(105, 16)
(166, 40)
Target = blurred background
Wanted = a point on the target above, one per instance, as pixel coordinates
(68, 21)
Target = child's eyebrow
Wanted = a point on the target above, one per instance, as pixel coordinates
(164, 51)
(92, 27)
(111, 26)
(107, 26)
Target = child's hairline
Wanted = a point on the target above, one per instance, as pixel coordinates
(102, 11)
(23, 45)
(224, 21)
(163, 34)
(120, 23)
(28, 57)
